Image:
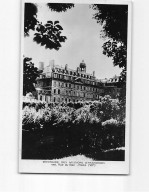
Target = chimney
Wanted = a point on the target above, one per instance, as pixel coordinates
(51, 63)
(41, 66)
(66, 66)
(78, 69)
(93, 73)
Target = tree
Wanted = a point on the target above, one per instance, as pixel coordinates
(113, 19)
(30, 18)
(48, 35)
(30, 73)
(60, 7)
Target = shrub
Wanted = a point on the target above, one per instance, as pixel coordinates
(90, 126)
(113, 134)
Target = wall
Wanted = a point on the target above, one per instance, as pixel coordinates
(10, 180)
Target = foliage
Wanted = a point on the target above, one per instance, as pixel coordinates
(88, 128)
(49, 35)
(104, 109)
(60, 7)
(113, 134)
(113, 19)
(30, 73)
(30, 18)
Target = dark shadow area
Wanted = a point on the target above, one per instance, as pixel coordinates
(62, 143)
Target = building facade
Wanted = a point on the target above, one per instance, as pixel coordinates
(62, 84)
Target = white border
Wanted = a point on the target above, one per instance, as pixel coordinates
(109, 167)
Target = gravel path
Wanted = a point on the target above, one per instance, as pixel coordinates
(76, 158)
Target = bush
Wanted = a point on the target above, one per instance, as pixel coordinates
(113, 134)
(87, 127)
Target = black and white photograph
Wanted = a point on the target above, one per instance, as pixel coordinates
(75, 87)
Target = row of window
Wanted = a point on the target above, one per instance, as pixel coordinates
(72, 73)
(69, 93)
(71, 78)
(59, 99)
(78, 87)
(75, 93)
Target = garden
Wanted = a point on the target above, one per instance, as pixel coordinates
(95, 129)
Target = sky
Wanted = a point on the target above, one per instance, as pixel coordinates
(83, 42)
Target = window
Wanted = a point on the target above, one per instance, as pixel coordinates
(58, 99)
(54, 91)
(54, 84)
(54, 99)
(58, 91)
(55, 75)
(101, 90)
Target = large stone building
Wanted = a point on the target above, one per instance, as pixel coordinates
(62, 84)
